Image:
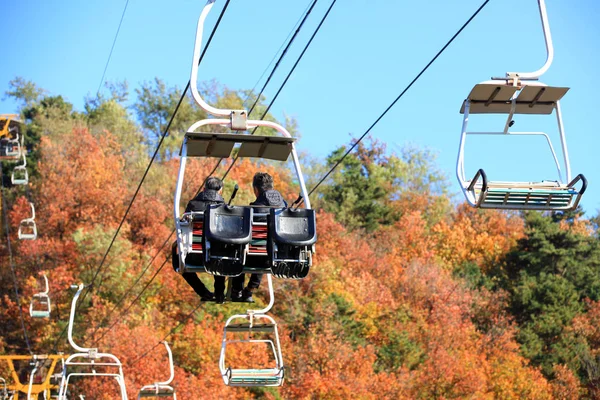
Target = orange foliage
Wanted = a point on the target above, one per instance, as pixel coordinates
(479, 236)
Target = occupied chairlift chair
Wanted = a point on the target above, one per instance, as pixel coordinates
(27, 227)
(520, 93)
(90, 358)
(161, 389)
(224, 231)
(10, 140)
(19, 174)
(253, 323)
(40, 306)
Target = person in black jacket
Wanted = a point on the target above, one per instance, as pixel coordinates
(265, 196)
(210, 195)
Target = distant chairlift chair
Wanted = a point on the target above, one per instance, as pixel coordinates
(273, 376)
(10, 140)
(27, 227)
(227, 240)
(19, 174)
(40, 306)
(4, 395)
(89, 357)
(520, 93)
(161, 389)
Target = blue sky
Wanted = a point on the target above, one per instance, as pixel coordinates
(365, 54)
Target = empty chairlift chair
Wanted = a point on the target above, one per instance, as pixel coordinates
(255, 322)
(40, 306)
(109, 365)
(19, 174)
(228, 250)
(161, 389)
(27, 227)
(292, 235)
(520, 93)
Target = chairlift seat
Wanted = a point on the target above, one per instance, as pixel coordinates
(294, 227)
(222, 144)
(292, 234)
(255, 377)
(228, 224)
(495, 98)
(544, 196)
(227, 232)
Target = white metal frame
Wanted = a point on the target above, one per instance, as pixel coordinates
(89, 357)
(42, 298)
(184, 226)
(28, 223)
(252, 316)
(517, 78)
(161, 389)
(4, 390)
(31, 375)
(24, 180)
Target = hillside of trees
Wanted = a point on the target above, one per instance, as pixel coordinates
(413, 294)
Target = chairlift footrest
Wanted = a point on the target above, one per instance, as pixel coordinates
(245, 327)
(256, 377)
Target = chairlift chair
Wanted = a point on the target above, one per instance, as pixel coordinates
(255, 321)
(520, 93)
(91, 358)
(10, 139)
(40, 306)
(19, 174)
(220, 244)
(161, 389)
(27, 227)
(30, 388)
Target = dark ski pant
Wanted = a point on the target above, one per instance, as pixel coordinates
(253, 283)
(192, 278)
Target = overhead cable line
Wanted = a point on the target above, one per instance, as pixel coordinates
(90, 287)
(124, 296)
(124, 312)
(283, 55)
(280, 48)
(112, 48)
(172, 331)
(12, 264)
(399, 96)
(286, 79)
